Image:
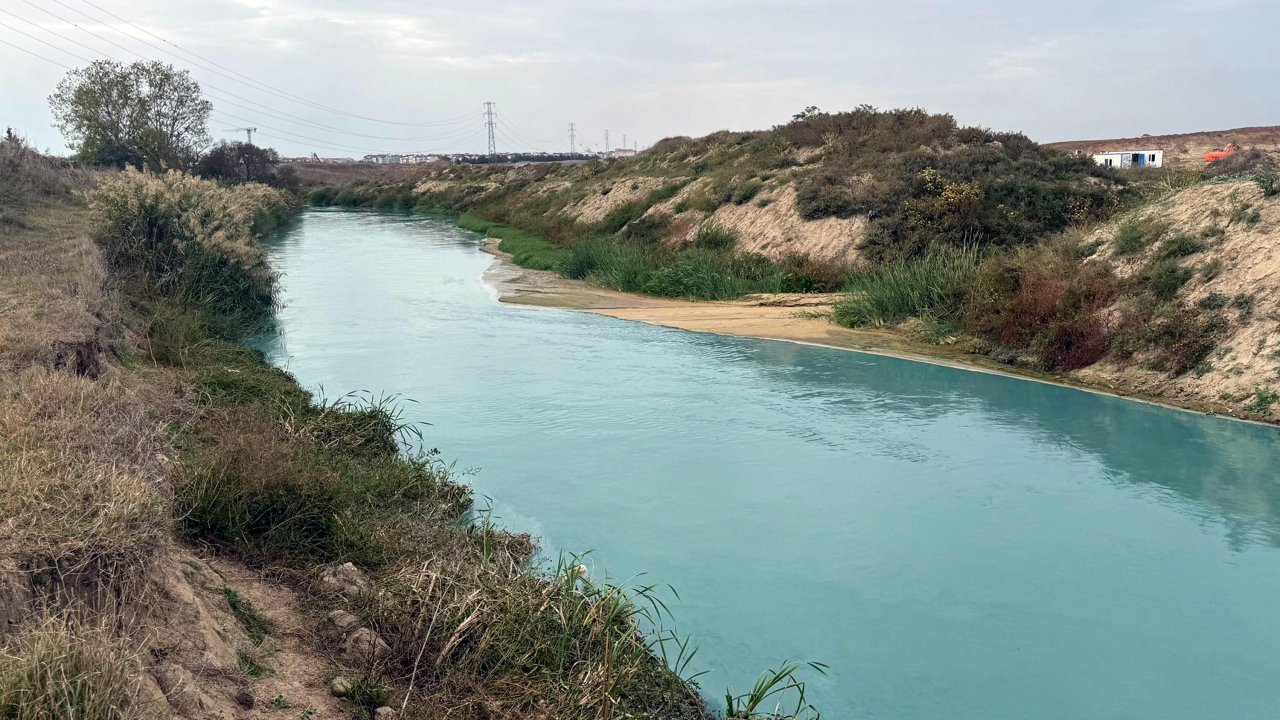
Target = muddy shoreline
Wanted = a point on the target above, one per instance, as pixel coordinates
(796, 318)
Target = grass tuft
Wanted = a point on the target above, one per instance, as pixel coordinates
(59, 668)
(935, 285)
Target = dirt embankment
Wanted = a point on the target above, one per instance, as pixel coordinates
(1232, 271)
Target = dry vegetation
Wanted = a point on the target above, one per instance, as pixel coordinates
(169, 436)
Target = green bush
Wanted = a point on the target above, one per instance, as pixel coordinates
(1213, 301)
(822, 197)
(935, 285)
(1134, 236)
(712, 235)
(745, 191)
(1180, 245)
(1164, 278)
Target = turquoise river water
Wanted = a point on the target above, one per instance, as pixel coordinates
(955, 545)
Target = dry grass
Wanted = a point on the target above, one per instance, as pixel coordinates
(62, 668)
(81, 474)
(29, 178)
(51, 289)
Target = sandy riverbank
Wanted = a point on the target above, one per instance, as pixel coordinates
(795, 318)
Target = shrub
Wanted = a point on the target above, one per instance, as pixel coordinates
(1044, 300)
(1263, 399)
(1134, 236)
(175, 236)
(712, 235)
(745, 191)
(822, 196)
(1213, 301)
(1211, 269)
(1238, 163)
(1268, 180)
(1164, 278)
(935, 284)
(1182, 338)
(649, 229)
(1180, 245)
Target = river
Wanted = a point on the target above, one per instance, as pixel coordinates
(954, 545)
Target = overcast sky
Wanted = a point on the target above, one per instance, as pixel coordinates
(654, 68)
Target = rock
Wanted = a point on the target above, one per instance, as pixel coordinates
(385, 713)
(364, 645)
(340, 686)
(182, 691)
(342, 621)
(245, 699)
(345, 579)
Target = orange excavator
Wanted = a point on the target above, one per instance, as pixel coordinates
(1221, 153)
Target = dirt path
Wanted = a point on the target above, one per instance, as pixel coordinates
(294, 684)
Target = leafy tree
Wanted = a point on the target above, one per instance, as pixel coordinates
(239, 162)
(806, 113)
(145, 113)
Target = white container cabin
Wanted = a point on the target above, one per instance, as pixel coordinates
(1130, 158)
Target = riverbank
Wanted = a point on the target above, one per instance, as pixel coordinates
(188, 532)
(792, 317)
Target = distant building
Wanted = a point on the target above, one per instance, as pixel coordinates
(419, 158)
(383, 159)
(1130, 158)
(621, 153)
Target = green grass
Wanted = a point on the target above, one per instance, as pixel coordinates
(1263, 399)
(527, 249)
(1134, 236)
(696, 273)
(934, 285)
(1165, 278)
(1180, 245)
(257, 626)
(712, 235)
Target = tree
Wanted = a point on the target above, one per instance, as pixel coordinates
(145, 113)
(805, 114)
(238, 162)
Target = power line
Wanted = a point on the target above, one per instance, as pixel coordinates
(34, 54)
(280, 115)
(260, 86)
(44, 42)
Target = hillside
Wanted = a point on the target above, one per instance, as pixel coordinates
(1154, 283)
(1184, 149)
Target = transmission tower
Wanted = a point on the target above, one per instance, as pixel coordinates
(488, 114)
(573, 139)
(624, 141)
(606, 141)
